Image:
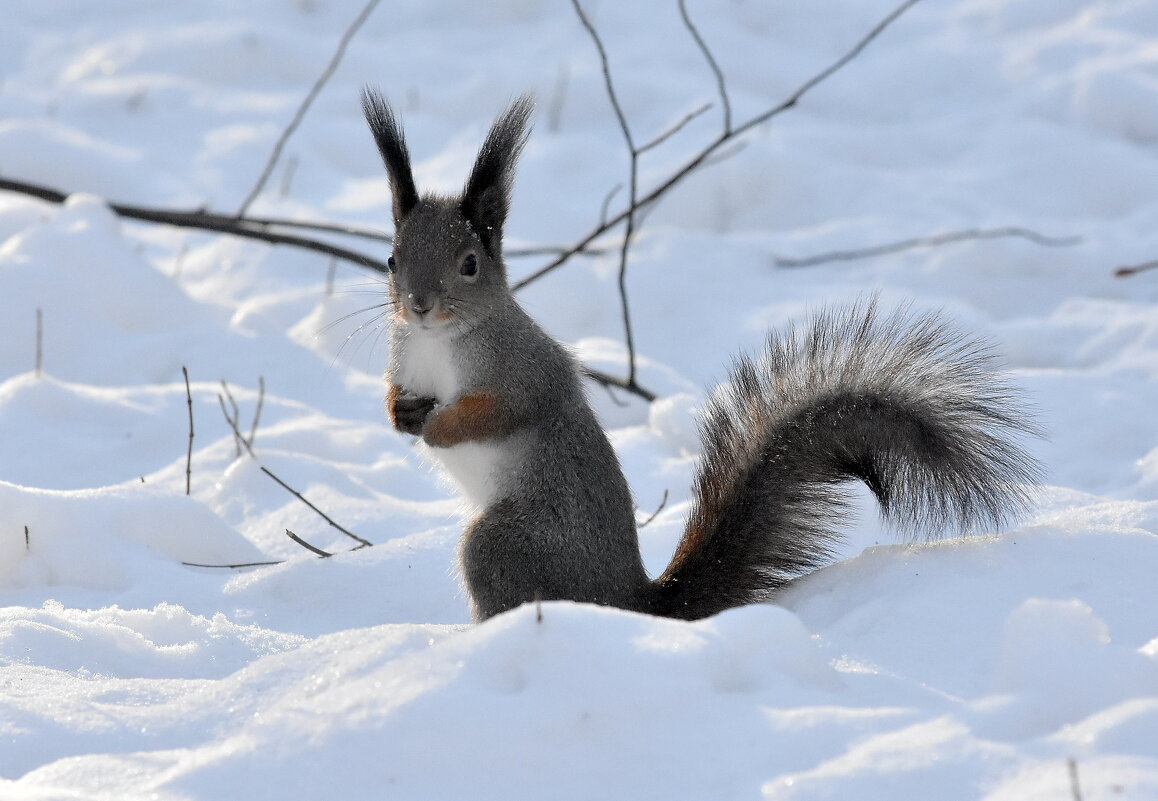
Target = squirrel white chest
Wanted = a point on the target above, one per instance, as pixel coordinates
(424, 365)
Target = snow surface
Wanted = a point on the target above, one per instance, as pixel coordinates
(959, 669)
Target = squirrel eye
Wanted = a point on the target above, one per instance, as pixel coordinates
(469, 266)
(391, 265)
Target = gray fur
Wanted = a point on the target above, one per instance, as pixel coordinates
(902, 402)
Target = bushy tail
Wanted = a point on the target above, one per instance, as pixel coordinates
(902, 402)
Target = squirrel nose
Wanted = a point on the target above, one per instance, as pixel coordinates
(419, 304)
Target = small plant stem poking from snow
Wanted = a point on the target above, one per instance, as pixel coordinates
(1075, 785)
(306, 545)
(189, 454)
(27, 540)
(238, 440)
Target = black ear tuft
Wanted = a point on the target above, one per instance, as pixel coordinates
(487, 197)
(392, 146)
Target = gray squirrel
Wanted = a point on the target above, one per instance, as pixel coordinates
(900, 401)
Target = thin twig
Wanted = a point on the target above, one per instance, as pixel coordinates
(234, 419)
(673, 130)
(256, 412)
(1124, 272)
(237, 566)
(362, 542)
(721, 86)
(306, 545)
(335, 59)
(928, 241)
(27, 540)
(632, 190)
(1075, 785)
(189, 455)
(712, 147)
(238, 440)
(655, 514)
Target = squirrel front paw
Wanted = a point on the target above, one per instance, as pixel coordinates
(409, 412)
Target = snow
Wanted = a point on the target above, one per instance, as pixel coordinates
(1001, 666)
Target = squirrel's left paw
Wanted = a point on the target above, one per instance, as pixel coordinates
(409, 413)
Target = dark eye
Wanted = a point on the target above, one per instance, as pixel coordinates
(391, 266)
(469, 266)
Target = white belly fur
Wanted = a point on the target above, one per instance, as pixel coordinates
(424, 367)
(474, 467)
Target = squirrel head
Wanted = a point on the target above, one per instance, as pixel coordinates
(447, 266)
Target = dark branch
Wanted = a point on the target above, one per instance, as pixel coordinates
(608, 380)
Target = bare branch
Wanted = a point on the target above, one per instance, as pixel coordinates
(710, 149)
(721, 86)
(259, 228)
(928, 241)
(632, 189)
(608, 380)
(189, 455)
(362, 542)
(305, 105)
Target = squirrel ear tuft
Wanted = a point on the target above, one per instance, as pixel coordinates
(487, 196)
(392, 145)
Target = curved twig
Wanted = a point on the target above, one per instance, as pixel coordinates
(300, 114)
(928, 241)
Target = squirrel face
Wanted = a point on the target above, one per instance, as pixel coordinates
(446, 273)
(442, 273)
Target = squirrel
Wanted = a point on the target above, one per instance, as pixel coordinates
(901, 401)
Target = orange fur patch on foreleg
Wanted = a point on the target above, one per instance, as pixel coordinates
(470, 418)
(392, 393)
